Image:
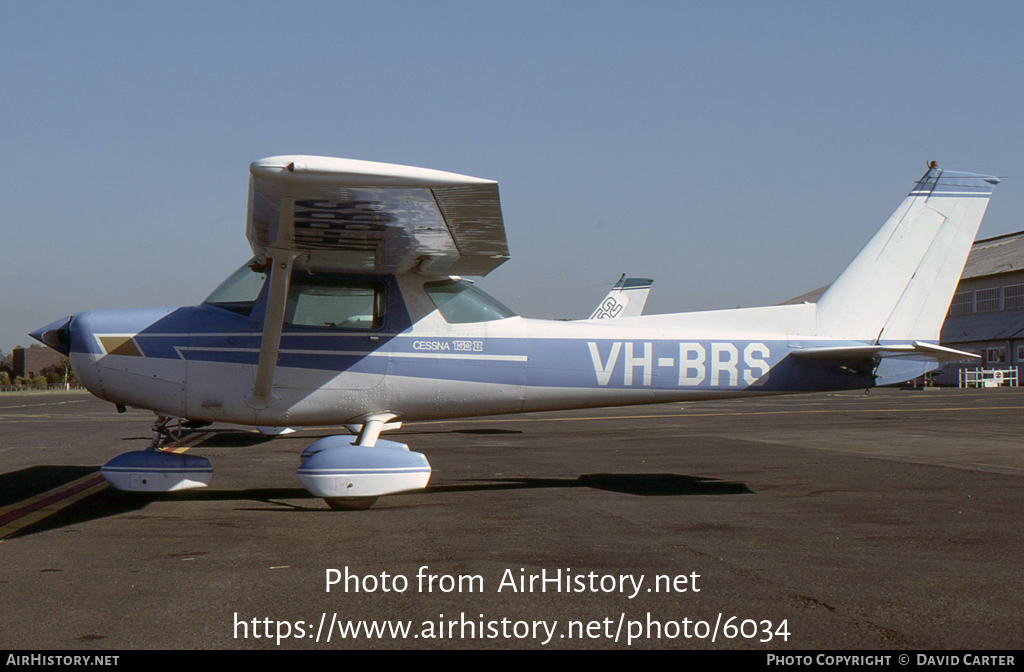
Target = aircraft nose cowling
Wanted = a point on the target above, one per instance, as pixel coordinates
(56, 335)
(131, 356)
(74, 338)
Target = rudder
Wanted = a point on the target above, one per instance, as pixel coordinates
(900, 285)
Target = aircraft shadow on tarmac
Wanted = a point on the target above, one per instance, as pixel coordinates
(20, 485)
(218, 438)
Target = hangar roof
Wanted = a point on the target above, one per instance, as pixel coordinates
(1000, 325)
(1000, 254)
(996, 255)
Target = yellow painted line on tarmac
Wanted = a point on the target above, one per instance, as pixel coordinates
(187, 443)
(36, 498)
(17, 516)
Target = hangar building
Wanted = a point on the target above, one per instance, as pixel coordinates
(986, 316)
(987, 313)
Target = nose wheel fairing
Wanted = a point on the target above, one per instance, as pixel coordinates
(157, 471)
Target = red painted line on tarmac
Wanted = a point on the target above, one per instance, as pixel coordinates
(35, 506)
(82, 486)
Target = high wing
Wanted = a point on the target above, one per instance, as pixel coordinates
(369, 217)
(329, 214)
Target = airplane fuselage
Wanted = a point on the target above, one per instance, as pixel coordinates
(199, 362)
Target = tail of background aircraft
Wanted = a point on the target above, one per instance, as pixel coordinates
(901, 284)
(626, 299)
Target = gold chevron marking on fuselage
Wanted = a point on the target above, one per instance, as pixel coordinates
(120, 345)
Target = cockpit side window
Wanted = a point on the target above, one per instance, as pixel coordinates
(326, 302)
(239, 292)
(459, 302)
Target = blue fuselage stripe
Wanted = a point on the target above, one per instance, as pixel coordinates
(656, 364)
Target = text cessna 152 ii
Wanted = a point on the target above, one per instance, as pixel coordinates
(354, 312)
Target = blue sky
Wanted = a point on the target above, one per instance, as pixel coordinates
(739, 153)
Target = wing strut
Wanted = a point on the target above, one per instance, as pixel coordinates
(273, 322)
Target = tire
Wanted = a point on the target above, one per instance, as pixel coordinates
(350, 503)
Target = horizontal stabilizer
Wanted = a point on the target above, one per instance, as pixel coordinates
(944, 354)
(849, 352)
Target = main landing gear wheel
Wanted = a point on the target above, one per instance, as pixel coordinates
(350, 477)
(350, 503)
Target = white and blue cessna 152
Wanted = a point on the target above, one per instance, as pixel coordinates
(354, 311)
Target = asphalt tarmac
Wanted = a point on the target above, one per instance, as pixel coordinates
(825, 521)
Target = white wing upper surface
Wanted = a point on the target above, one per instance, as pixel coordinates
(364, 216)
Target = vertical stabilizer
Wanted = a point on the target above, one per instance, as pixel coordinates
(900, 285)
(626, 299)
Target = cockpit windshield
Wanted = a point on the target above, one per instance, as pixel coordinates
(239, 292)
(459, 302)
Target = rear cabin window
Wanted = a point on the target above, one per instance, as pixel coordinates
(322, 302)
(459, 302)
